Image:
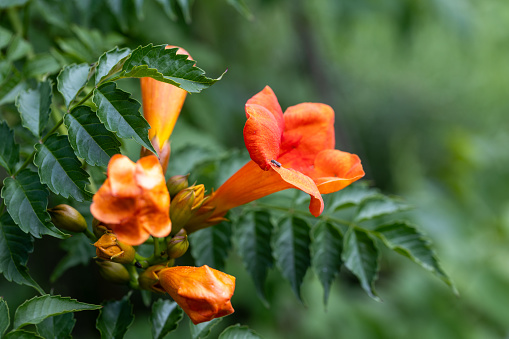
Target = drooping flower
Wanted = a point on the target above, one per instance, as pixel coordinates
(290, 150)
(202, 292)
(134, 201)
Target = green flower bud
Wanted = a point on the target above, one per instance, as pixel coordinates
(184, 206)
(149, 279)
(176, 184)
(113, 272)
(178, 245)
(109, 248)
(67, 218)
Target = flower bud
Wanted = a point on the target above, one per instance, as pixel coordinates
(176, 184)
(149, 279)
(113, 272)
(67, 218)
(184, 205)
(109, 248)
(99, 228)
(178, 245)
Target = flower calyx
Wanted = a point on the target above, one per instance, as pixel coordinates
(109, 248)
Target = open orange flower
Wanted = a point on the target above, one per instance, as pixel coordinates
(202, 292)
(290, 150)
(134, 201)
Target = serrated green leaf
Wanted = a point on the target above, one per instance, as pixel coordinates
(27, 200)
(185, 6)
(22, 334)
(5, 319)
(71, 80)
(210, 246)
(79, 251)
(202, 330)
(5, 37)
(166, 66)
(361, 256)
(115, 318)
(253, 233)
(89, 138)
(60, 169)
(41, 64)
(239, 332)
(406, 240)
(34, 107)
(9, 150)
(291, 251)
(110, 63)
(242, 8)
(167, 8)
(352, 195)
(378, 206)
(57, 327)
(326, 249)
(165, 318)
(18, 48)
(121, 114)
(37, 309)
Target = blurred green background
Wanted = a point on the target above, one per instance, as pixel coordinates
(420, 91)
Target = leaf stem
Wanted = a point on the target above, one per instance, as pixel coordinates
(82, 100)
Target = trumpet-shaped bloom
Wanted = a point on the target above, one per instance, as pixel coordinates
(134, 201)
(202, 292)
(290, 150)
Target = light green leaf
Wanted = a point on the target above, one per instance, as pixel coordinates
(37, 309)
(242, 8)
(379, 206)
(119, 12)
(5, 37)
(166, 66)
(210, 246)
(11, 87)
(5, 70)
(27, 200)
(291, 251)
(165, 318)
(253, 233)
(5, 319)
(202, 330)
(138, 5)
(18, 48)
(41, 64)
(185, 6)
(239, 332)
(57, 327)
(71, 81)
(326, 255)
(115, 318)
(89, 138)
(110, 63)
(79, 251)
(12, 3)
(22, 334)
(9, 150)
(168, 9)
(121, 114)
(34, 107)
(361, 256)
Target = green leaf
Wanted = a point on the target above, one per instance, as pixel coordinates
(242, 8)
(11, 87)
(34, 107)
(5, 70)
(291, 251)
(167, 8)
(12, 3)
(165, 318)
(41, 64)
(89, 138)
(22, 334)
(5, 319)
(27, 200)
(210, 246)
(5, 37)
(379, 206)
(18, 48)
(115, 318)
(9, 150)
(121, 114)
(185, 6)
(353, 195)
(110, 63)
(119, 12)
(138, 5)
(37, 309)
(406, 240)
(360, 255)
(202, 330)
(239, 332)
(253, 233)
(71, 81)
(326, 255)
(15, 245)
(79, 251)
(166, 66)
(57, 327)
(60, 169)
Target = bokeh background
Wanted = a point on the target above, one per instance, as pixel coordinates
(420, 91)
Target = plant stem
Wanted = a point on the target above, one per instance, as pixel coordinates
(82, 100)
(90, 235)
(157, 251)
(133, 274)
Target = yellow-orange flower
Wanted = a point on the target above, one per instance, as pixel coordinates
(134, 201)
(202, 292)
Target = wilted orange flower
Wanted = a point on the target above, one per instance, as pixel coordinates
(134, 201)
(202, 292)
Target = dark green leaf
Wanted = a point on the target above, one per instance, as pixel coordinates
(71, 81)
(326, 251)
(11, 87)
(185, 6)
(119, 12)
(379, 206)
(291, 251)
(41, 64)
(166, 66)
(34, 107)
(202, 330)
(242, 8)
(115, 318)
(18, 48)
(22, 334)
(210, 246)
(37, 309)
(253, 233)
(27, 200)
(165, 318)
(89, 138)
(57, 327)
(5, 319)
(79, 251)
(121, 114)
(5, 37)
(353, 195)
(110, 63)
(9, 150)
(168, 9)
(5, 70)
(361, 255)
(138, 5)
(406, 240)
(238, 332)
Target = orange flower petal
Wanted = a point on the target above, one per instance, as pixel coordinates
(121, 176)
(130, 232)
(108, 208)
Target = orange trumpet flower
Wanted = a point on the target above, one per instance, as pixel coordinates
(134, 201)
